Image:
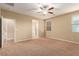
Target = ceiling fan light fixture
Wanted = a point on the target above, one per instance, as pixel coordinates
(45, 8)
(44, 13)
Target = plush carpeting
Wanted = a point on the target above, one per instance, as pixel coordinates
(40, 47)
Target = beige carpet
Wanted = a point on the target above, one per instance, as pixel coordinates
(40, 47)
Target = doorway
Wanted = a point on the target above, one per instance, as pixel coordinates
(35, 29)
(8, 31)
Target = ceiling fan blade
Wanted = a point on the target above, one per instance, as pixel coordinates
(41, 8)
(51, 8)
(50, 12)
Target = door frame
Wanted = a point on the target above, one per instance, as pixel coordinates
(2, 18)
(37, 26)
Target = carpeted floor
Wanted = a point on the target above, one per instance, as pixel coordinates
(40, 47)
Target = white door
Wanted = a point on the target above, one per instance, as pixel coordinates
(4, 31)
(35, 31)
(8, 29)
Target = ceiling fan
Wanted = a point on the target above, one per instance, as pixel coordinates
(45, 9)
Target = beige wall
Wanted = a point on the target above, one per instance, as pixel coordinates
(23, 24)
(41, 28)
(62, 28)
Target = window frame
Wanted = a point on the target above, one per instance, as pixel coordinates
(75, 23)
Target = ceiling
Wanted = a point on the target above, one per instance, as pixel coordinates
(31, 8)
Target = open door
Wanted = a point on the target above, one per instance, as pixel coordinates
(35, 31)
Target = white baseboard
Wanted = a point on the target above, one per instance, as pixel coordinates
(65, 40)
(35, 38)
(51, 38)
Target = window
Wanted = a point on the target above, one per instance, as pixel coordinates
(49, 26)
(75, 23)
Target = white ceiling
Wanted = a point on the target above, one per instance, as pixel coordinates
(29, 9)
